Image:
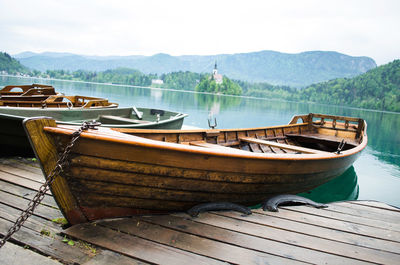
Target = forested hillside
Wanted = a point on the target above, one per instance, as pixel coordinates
(377, 89)
(10, 65)
(126, 76)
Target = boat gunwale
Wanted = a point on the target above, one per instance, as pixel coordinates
(107, 134)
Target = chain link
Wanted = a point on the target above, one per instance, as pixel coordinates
(36, 200)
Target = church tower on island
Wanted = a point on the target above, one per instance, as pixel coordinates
(217, 77)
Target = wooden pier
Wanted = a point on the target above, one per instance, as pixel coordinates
(356, 232)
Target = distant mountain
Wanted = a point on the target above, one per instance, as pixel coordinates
(277, 68)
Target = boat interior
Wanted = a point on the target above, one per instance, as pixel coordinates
(136, 117)
(305, 134)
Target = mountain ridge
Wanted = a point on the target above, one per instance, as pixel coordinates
(292, 69)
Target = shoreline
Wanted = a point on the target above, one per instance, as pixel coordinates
(195, 92)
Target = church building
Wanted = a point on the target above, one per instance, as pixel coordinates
(217, 77)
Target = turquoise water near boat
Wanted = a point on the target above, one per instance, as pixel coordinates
(374, 176)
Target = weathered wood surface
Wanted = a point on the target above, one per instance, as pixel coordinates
(356, 232)
(40, 240)
(18, 255)
(282, 146)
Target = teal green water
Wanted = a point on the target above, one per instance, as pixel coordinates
(374, 176)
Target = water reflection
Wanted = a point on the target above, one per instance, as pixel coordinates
(216, 103)
(344, 187)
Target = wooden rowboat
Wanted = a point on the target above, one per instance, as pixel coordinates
(25, 90)
(122, 172)
(45, 96)
(18, 102)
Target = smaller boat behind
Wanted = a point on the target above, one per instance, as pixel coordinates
(23, 90)
(13, 139)
(20, 102)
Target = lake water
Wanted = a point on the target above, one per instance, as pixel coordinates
(374, 176)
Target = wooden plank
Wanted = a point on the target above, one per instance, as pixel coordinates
(269, 229)
(254, 242)
(219, 147)
(334, 224)
(265, 149)
(381, 224)
(376, 204)
(385, 214)
(255, 148)
(134, 246)
(317, 231)
(142, 192)
(26, 193)
(341, 207)
(22, 163)
(20, 255)
(151, 180)
(23, 182)
(34, 222)
(283, 146)
(334, 117)
(194, 244)
(22, 204)
(23, 173)
(107, 257)
(50, 246)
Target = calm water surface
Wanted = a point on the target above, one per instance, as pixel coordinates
(374, 176)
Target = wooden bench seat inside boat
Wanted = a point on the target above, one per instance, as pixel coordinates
(282, 146)
(210, 145)
(120, 120)
(327, 139)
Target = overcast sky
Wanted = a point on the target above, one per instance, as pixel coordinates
(146, 27)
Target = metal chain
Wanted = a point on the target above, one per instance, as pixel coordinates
(36, 200)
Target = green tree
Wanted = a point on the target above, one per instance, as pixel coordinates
(228, 87)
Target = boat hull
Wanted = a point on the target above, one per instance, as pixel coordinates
(111, 177)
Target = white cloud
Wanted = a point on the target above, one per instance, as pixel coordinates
(359, 28)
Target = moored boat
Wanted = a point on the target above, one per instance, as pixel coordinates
(24, 90)
(121, 172)
(45, 96)
(13, 138)
(18, 102)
